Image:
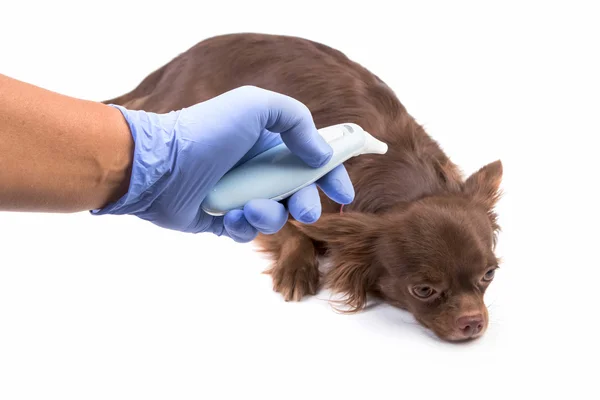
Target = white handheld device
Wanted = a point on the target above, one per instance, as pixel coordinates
(278, 173)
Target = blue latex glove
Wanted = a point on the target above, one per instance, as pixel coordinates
(180, 156)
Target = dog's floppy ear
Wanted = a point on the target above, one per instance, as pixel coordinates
(348, 227)
(351, 239)
(484, 185)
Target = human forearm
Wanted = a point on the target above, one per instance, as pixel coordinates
(59, 154)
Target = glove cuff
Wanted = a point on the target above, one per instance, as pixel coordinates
(154, 149)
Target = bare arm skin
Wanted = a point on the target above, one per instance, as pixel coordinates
(58, 153)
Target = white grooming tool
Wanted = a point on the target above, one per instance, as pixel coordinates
(277, 173)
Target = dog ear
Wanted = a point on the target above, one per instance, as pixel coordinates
(484, 185)
(352, 240)
(340, 228)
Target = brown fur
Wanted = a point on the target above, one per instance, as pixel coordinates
(414, 221)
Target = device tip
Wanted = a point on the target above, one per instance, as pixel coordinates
(374, 146)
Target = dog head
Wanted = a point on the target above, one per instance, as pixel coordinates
(433, 257)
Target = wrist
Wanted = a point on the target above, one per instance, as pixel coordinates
(148, 162)
(114, 157)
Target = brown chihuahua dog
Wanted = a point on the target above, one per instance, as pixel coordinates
(417, 235)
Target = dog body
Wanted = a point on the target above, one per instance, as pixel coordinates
(417, 235)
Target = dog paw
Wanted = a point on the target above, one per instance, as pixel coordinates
(295, 281)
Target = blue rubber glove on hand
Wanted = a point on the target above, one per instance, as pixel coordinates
(180, 156)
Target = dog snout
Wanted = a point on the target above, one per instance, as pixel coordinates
(470, 325)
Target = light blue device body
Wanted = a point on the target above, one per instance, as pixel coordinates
(277, 173)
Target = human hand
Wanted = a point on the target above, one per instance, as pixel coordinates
(180, 156)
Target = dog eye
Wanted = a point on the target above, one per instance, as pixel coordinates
(489, 275)
(423, 291)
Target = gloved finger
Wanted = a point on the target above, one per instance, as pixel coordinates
(238, 228)
(337, 185)
(305, 204)
(293, 121)
(266, 140)
(267, 216)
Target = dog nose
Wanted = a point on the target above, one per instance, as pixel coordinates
(470, 325)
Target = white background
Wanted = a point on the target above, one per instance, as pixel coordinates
(115, 308)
